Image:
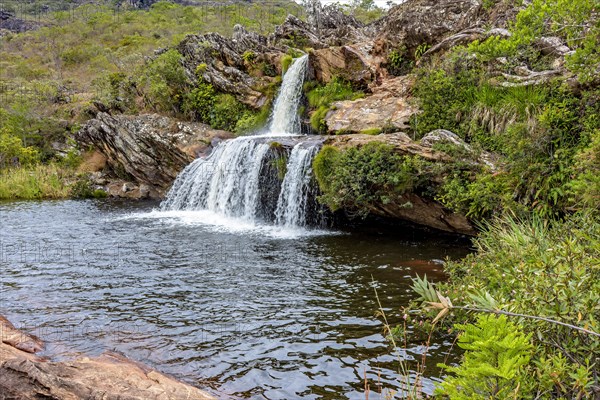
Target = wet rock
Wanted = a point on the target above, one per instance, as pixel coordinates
(147, 149)
(19, 340)
(110, 376)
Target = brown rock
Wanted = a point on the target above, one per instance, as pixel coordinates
(388, 108)
(110, 376)
(352, 63)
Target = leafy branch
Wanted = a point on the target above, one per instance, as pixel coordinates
(484, 303)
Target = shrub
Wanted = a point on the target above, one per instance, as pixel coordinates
(493, 364)
(360, 179)
(13, 153)
(198, 104)
(532, 268)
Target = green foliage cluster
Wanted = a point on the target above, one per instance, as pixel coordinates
(398, 61)
(320, 98)
(164, 82)
(13, 153)
(577, 22)
(360, 179)
(537, 268)
(541, 134)
(496, 352)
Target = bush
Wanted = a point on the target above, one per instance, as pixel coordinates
(13, 153)
(360, 179)
(286, 61)
(533, 268)
(164, 82)
(493, 364)
(198, 104)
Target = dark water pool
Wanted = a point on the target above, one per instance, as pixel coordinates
(242, 311)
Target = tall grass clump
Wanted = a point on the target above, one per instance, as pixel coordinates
(36, 182)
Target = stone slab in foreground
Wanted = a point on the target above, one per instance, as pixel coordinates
(24, 375)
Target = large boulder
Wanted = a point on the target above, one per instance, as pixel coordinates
(352, 63)
(389, 108)
(417, 22)
(148, 149)
(26, 376)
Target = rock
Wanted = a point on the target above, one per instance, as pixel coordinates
(110, 376)
(9, 22)
(352, 63)
(19, 340)
(128, 187)
(387, 109)
(413, 207)
(416, 22)
(146, 149)
(552, 46)
(223, 63)
(442, 136)
(295, 33)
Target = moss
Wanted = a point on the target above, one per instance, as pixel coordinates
(286, 61)
(372, 131)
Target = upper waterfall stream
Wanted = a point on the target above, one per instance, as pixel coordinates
(263, 177)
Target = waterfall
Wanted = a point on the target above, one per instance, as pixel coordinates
(284, 119)
(245, 177)
(292, 201)
(226, 182)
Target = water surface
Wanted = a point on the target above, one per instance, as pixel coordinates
(240, 310)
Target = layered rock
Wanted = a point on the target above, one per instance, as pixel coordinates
(110, 376)
(389, 108)
(418, 22)
(146, 152)
(220, 61)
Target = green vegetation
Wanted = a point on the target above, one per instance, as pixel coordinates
(320, 98)
(35, 182)
(543, 279)
(50, 77)
(543, 134)
(361, 178)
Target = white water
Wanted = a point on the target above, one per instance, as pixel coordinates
(228, 182)
(284, 119)
(291, 205)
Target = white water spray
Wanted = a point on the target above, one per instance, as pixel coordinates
(284, 119)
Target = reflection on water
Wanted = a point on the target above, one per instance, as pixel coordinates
(249, 312)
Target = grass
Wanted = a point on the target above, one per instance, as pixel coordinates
(36, 183)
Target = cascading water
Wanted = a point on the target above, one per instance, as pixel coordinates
(292, 201)
(242, 176)
(284, 119)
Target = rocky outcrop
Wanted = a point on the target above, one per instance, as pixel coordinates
(9, 22)
(110, 376)
(417, 22)
(352, 63)
(220, 61)
(388, 109)
(420, 209)
(146, 152)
